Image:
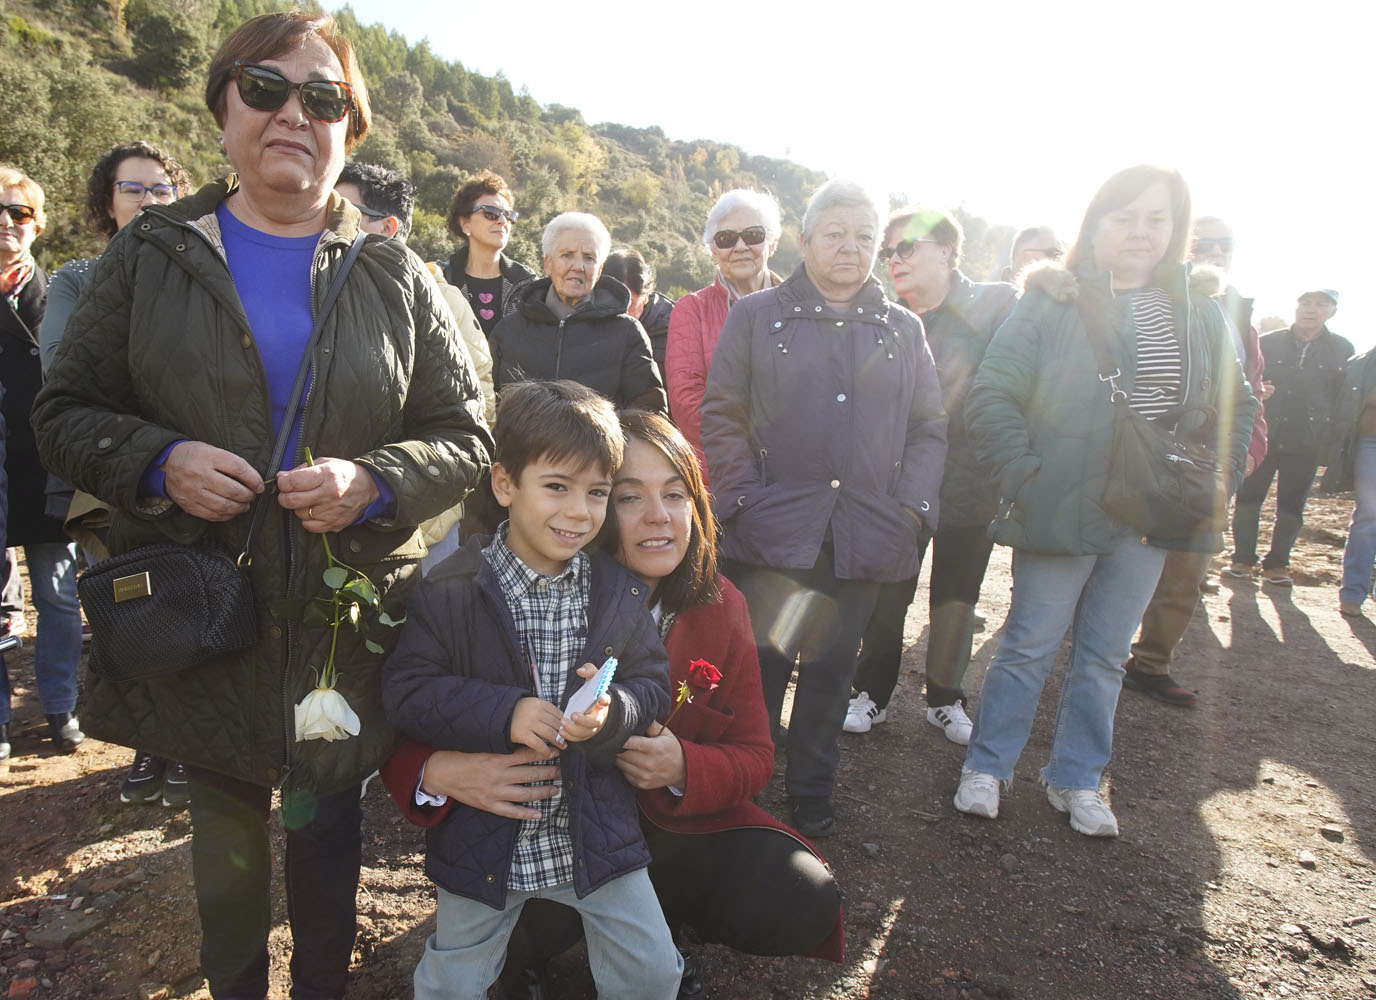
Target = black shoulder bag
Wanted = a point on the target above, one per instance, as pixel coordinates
(1160, 482)
(160, 609)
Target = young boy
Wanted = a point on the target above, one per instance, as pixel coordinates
(492, 648)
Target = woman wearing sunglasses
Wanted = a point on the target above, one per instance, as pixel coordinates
(125, 180)
(483, 213)
(742, 231)
(922, 253)
(1041, 412)
(48, 553)
(823, 425)
(165, 400)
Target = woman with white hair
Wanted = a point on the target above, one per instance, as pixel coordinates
(573, 323)
(826, 438)
(742, 230)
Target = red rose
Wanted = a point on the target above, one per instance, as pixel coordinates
(703, 678)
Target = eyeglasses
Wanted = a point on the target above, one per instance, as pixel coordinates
(1211, 244)
(266, 89)
(725, 239)
(903, 250)
(19, 214)
(493, 213)
(161, 192)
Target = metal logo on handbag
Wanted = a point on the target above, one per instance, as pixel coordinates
(131, 588)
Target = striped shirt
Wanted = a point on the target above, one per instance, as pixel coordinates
(1158, 383)
(551, 617)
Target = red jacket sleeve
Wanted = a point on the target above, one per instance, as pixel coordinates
(686, 371)
(401, 774)
(727, 748)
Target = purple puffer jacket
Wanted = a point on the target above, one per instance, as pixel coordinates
(824, 423)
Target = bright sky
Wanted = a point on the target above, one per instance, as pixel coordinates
(1018, 111)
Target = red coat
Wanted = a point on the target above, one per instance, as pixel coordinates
(727, 747)
(694, 326)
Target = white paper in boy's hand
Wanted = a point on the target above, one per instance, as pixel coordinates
(593, 688)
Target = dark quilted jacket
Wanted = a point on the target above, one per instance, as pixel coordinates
(598, 346)
(455, 678)
(158, 350)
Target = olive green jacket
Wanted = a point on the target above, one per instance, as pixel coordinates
(159, 350)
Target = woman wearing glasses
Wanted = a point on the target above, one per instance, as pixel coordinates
(922, 252)
(165, 400)
(124, 181)
(742, 230)
(1041, 411)
(482, 212)
(823, 425)
(48, 553)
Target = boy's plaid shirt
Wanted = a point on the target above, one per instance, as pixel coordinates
(551, 616)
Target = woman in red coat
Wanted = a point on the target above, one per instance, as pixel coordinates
(721, 864)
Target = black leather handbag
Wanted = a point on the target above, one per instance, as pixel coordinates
(163, 608)
(1161, 482)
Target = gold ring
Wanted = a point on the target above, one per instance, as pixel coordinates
(310, 513)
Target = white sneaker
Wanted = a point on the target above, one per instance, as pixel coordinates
(977, 794)
(953, 721)
(863, 713)
(1088, 813)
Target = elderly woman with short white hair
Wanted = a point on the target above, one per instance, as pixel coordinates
(742, 231)
(573, 323)
(826, 438)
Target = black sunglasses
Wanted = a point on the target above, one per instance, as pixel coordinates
(492, 213)
(1224, 244)
(902, 250)
(19, 214)
(266, 89)
(725, 239)
(371, 213)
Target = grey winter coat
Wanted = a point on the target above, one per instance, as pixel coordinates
(824, 424)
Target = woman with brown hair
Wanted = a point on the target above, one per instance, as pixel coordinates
(483, 212)
(173, 381)
(1042, 414)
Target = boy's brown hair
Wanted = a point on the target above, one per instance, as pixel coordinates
(556, 421)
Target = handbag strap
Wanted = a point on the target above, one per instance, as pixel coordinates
(1096, 318)
(279, 447)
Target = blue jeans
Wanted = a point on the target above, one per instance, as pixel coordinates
(630, 949)
(1104, 597)
(1360, 551)
(57, 641)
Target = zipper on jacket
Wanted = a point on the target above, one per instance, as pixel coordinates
(559, 346)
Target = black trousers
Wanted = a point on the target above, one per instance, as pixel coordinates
(231, 859)
(960, 556)
(757, 890)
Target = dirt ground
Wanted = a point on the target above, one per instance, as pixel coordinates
(1244, 869)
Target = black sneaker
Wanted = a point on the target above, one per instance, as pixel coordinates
(812, 816)
(1162, 687)
(144, 780)
(690, 986)
(176, 791)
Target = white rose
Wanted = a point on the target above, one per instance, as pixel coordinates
(325, 715)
